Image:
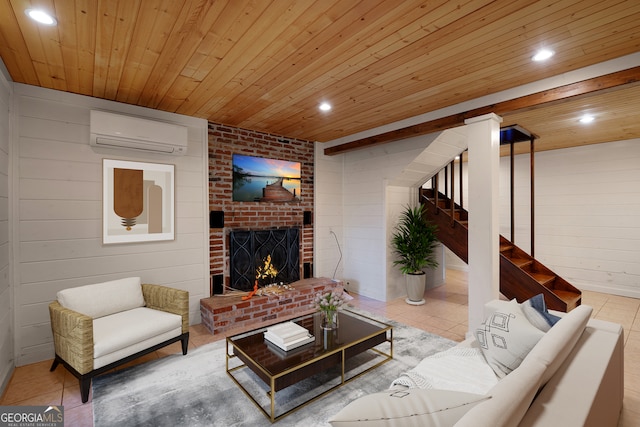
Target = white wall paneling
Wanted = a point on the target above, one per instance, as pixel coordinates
(587, 206)
(7, 324)
(366, 174)
(328, 225)
(374, 185)
(58, 199)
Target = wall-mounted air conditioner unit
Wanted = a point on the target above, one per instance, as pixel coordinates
(111, 130)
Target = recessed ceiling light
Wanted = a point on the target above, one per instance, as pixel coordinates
(325, 106)
(587, 118)
(542, 55)
(41, 16)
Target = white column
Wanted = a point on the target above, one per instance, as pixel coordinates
(483, 135)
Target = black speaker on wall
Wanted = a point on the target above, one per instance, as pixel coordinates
(307, 270)
(216, 219)
(306, 218)
(217, 282)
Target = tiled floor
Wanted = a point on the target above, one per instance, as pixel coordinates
(445, 314)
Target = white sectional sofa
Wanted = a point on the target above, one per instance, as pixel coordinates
(570, 375)
(101, 326)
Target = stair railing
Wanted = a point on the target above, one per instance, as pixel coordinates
(449, 186)
(449, 189)
(532, 191)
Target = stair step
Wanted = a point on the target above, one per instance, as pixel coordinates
(571, 298)
(543, 279)
(505, 247)
(521, 262)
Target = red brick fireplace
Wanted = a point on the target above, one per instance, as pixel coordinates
(221, 311)
(224, 141)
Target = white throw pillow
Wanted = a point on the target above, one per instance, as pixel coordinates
(506, 337)
(102, 299)
(409, 408)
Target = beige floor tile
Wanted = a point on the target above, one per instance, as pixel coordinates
(200, 340)
(621, 301)
(621, 317)
(79, 416)
(36, 371)
(437, 322)
(71, 396)
(630, 414)
(27, 390)
(633, 341)
(460, 330)
(452, 336)
(53, 398)
(614, 310)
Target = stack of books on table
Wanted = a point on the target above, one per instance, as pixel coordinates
(288, 335)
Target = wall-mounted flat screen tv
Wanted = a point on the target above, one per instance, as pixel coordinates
(259, 179)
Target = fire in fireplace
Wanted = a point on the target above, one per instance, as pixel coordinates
(250, 248)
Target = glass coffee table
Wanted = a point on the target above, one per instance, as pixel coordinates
(358, 345)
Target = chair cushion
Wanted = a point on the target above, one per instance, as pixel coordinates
(124, 329)
(506, 336)
(408, 408)
(103, 299)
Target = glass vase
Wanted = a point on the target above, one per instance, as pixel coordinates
(330, 319)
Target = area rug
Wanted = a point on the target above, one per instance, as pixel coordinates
(195, 390)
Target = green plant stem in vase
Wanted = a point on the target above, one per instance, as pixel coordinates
(330, 319)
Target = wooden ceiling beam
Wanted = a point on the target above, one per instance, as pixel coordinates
(523, 103)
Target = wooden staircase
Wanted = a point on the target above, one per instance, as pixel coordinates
(521, 276)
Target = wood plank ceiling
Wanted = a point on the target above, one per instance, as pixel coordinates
(267, 64)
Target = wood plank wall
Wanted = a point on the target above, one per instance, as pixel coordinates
(58, 197)
(6, 296)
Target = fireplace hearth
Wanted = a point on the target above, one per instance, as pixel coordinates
(249, 249)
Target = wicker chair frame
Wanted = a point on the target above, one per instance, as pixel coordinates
(73, 334)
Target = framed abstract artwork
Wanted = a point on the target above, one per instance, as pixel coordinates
(137, 202)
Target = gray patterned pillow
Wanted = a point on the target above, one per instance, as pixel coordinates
(506, 337)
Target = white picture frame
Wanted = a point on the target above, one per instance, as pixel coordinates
(138, 202)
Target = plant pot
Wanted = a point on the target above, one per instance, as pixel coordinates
(415, 288)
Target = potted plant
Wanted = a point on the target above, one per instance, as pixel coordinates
(414, 241)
